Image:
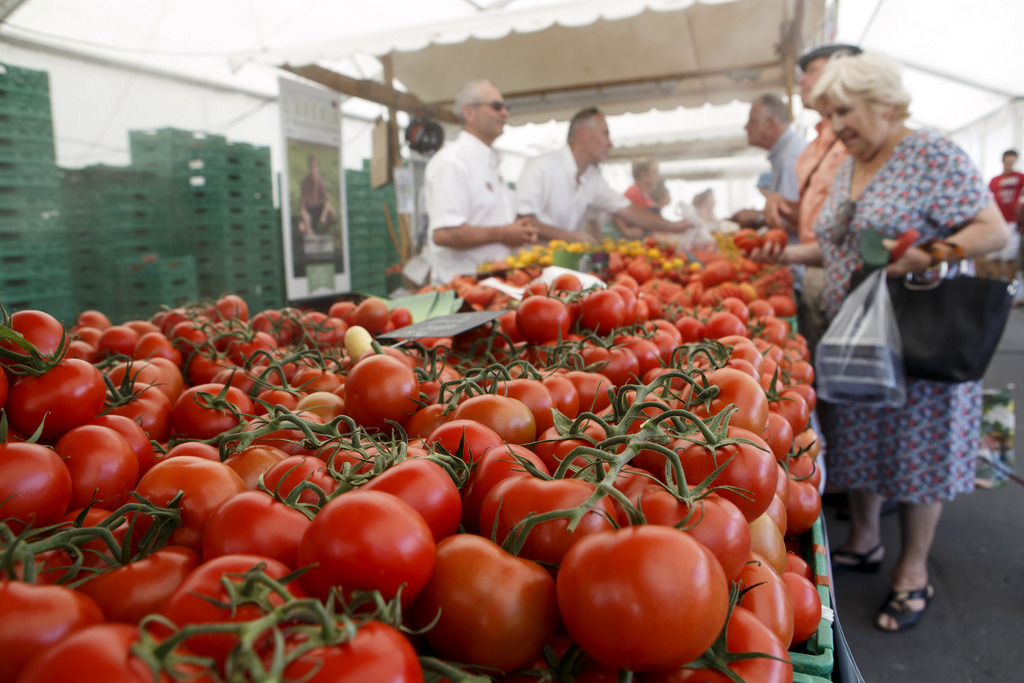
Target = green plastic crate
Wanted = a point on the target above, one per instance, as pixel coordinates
(27, 149)
(815, 658)
(19, 78)
(19, 125)
(14, 102)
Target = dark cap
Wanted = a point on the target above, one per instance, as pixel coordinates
(826, 51)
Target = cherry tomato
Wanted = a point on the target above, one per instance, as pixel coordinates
(428, 488)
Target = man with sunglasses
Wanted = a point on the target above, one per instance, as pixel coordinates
(470, 208)
(556, 191)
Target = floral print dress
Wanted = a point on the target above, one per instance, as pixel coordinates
(924, 451)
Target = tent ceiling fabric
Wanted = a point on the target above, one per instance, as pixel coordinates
(656, 59)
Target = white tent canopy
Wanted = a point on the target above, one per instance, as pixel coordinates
(675, 72)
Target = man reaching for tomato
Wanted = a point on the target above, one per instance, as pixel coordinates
(556, 190)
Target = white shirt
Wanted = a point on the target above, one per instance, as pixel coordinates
(548, 190)
(463, 185)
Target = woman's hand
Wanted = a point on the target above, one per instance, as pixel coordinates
(771, 252)
(913, 260)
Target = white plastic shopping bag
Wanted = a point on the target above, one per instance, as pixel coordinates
(860, 357)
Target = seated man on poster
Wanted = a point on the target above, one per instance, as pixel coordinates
(557, 189)
(316, 211)
(470, 208)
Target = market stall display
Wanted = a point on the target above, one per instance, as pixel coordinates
(564, 437)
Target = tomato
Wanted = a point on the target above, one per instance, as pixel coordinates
(541, 319)
(387, 547)
(133, 434)
(4, 388)
(378, 652)
(202, 598)
(716, 272)
(100, 653)
(92, 318)
(510, 419)
(734, 388)
(745, 633)
(372, 314)
(35, 485)
(766, 535)
(152, 410)
(202, 413)
(206, 484)
(103, 466)
(566, 282)
(798, 565)
(496, 464)
(593, 388)
(792, 406)
(690, 329)
(513, 499)
(428, 488)
(156, 345)
(804, 507)
(752, 471)
(231, 307)
(38, 328)
(197, 449)
(380, 388)
(723, 324)
(785, 306)
(775, 236)
(713, 521)
(133, 591)
(746, 239)
(806, 606)
(326, 404)
(468, 437)
(603, 311)
(35, 618)
(253, 462)
(779, 435)
(682, 588)
(493, 609)
(535, 396)
(278, 529)
(117, 340)
(298, 470)
(564, 394)
(768, 597)
(66, 396)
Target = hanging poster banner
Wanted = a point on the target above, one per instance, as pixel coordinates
(313, 192)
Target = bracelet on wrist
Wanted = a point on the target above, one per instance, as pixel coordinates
(942, 251)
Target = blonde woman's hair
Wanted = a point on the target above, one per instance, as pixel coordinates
(870, 77)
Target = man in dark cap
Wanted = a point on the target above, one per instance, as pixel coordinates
(815, 170)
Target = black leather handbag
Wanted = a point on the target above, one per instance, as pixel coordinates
(950, 326)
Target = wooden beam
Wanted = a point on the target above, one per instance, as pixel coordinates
(371, 91)
(602, 85)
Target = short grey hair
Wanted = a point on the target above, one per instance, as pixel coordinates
(468, 94)
(869, 77)
(773, 106)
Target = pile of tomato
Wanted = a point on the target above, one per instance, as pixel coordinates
(597, 482)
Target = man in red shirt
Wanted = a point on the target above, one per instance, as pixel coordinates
(1007, 189)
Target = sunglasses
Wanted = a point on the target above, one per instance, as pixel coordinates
(496, 105)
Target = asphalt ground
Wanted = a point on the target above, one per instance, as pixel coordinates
(974, 626)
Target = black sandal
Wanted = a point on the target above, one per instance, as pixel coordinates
(858, 562)
(899, 611)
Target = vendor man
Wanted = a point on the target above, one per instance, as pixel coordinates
(556, 190)
(768, 128)
(470, 208)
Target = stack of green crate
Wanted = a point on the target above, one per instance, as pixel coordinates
(144, 285)
(371, 248)
(34, 265)
(114, 215)
(221, 209)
